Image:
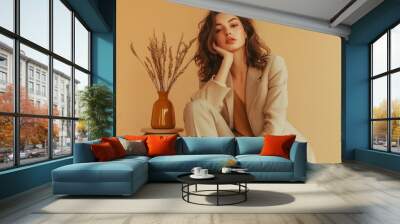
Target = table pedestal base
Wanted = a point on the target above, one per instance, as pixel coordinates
(220, 193)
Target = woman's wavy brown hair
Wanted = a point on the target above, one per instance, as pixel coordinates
(209, 61)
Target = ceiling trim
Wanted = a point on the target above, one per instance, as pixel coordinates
(269, 15)
(347, 12)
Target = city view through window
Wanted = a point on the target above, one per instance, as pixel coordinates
(385, 87)
(39, 113)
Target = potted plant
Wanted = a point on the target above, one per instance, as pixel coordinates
(96, 102)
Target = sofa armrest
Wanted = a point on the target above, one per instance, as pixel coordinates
(298, 155)
(83, 152)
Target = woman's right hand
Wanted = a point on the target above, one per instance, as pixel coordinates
(224, 53)
(222, 74)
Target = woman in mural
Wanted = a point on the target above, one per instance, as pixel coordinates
(243, 87)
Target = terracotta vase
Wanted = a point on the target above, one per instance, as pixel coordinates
(163, 115)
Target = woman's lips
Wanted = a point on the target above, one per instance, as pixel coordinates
(230, 40)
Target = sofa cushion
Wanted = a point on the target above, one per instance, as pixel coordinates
(134, 147)
(206, 145)
(135, 137)
(161, 145)
(277, 145)
(133, 158)
(83, 152)
(111, 171)
(257, 163)
(116, 145)
(185, 163)
(249, 145)
(103, 152)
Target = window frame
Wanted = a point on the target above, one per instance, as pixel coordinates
(16, 115)
(388, 74)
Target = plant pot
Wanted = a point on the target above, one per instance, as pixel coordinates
(163, 115)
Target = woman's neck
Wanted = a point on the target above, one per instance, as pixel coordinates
(239, 65)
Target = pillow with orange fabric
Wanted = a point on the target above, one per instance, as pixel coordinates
(277, 145)
(135, 137)
(161, 145)
(103, 152)
(116, 145)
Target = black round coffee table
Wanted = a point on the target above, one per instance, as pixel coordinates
(238, 179)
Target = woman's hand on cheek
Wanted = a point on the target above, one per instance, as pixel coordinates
(224, 53)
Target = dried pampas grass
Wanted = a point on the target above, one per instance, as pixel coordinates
(162, 66)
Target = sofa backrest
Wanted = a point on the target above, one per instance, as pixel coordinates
(249, 145)
(206, 145)
(83, 152)
(191, 146)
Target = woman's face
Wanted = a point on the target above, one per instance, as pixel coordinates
(229, 32)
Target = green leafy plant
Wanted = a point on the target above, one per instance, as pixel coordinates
(97, 102)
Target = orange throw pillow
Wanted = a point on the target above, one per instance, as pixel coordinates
(277, 145)
(103, 152)
(161, 145)
(116, 145)
(135, 137)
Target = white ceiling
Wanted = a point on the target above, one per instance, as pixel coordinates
(316, 15)
(320, 9)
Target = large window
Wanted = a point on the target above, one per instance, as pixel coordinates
(385, 91)
(44, 65)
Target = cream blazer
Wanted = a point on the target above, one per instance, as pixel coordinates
(266, 99)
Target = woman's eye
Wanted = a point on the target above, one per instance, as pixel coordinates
(234, 25)
(217, 31)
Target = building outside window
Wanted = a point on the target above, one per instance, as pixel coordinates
(55, 96)
(43, 90)
(3, 72)
(3, 77)
(3, 60)
(44, 77)
(30, 72)
(38, 89)
(37, 75)
(30, 87)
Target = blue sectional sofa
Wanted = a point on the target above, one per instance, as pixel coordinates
(125, 176)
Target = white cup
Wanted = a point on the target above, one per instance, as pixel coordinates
(203, 172)
(226, 170)
(196, 170)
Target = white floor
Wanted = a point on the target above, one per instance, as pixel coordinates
(377, 189)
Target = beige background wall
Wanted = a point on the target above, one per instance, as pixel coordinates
(313, 61)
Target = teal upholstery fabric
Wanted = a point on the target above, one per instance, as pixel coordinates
(184, 163)
(298, 155)
(249, 145)
(121, 177)
(83, 152)
(257, 163)
(126, 175)
(206, 145)
(130, 158)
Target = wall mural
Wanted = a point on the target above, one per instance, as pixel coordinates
(243, 86)
(197, 72)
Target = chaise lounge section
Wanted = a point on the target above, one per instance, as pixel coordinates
(88, 177)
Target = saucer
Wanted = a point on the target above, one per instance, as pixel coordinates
(208, 176)
(240, 171)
